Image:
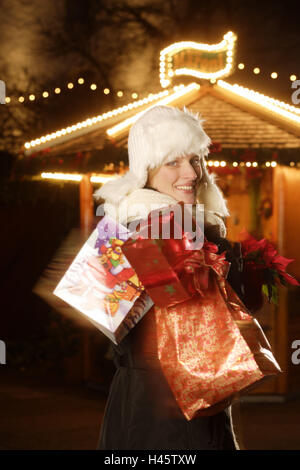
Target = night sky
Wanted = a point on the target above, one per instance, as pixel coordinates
(121, 49)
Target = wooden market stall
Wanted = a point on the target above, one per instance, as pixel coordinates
(255, 153)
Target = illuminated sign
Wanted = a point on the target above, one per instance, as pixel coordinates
(204, 61)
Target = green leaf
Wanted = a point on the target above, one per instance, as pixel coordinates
(265, 290)
(271, 291)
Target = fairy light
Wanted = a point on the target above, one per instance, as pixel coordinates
(70, 86)
(279, 107)
(7, 99)
(102, 178)
(96, 178)
(273, 75)
(166, 64)
(235, 164)
(61, 176)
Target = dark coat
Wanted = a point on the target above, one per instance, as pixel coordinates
(141, 412)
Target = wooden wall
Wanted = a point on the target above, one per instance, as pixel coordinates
(246, 200)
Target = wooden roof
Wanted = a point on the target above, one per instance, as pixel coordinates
(229, 120)
(90, 141)
(233, 127)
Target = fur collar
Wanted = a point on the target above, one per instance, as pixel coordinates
(140, 202)
(137, 205)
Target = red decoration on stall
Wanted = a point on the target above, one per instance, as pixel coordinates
(216, 147)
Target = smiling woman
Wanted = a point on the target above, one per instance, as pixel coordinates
(166, 149)
(178, 178)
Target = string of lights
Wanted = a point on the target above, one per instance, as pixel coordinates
(257, 70)
(103, 177)
(70, 86)
(119, 93)
(289, 112)
(169, 69)
(163, 97)
(227, 46)
(96, 119)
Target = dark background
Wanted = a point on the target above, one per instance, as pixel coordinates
(115, 44)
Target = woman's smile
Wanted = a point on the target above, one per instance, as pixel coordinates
(178, 178)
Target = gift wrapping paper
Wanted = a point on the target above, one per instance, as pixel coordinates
(205, 357)
(101, 284)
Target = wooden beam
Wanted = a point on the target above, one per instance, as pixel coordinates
(86, 223)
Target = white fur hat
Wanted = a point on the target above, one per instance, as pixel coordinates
(161, 134)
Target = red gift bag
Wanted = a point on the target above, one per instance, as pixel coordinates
(211, 349)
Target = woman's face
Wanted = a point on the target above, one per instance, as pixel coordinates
(178, 178)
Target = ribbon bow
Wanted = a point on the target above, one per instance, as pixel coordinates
(200, 264)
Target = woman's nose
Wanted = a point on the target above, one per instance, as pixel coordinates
(190, 171)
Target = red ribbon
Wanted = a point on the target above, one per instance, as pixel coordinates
(199, 264)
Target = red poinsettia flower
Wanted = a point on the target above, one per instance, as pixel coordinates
(264, 267)
(262, 254)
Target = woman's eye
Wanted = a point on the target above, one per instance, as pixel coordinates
(173, 163)
(196, 161)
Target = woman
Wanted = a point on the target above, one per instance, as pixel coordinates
(166, 148)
